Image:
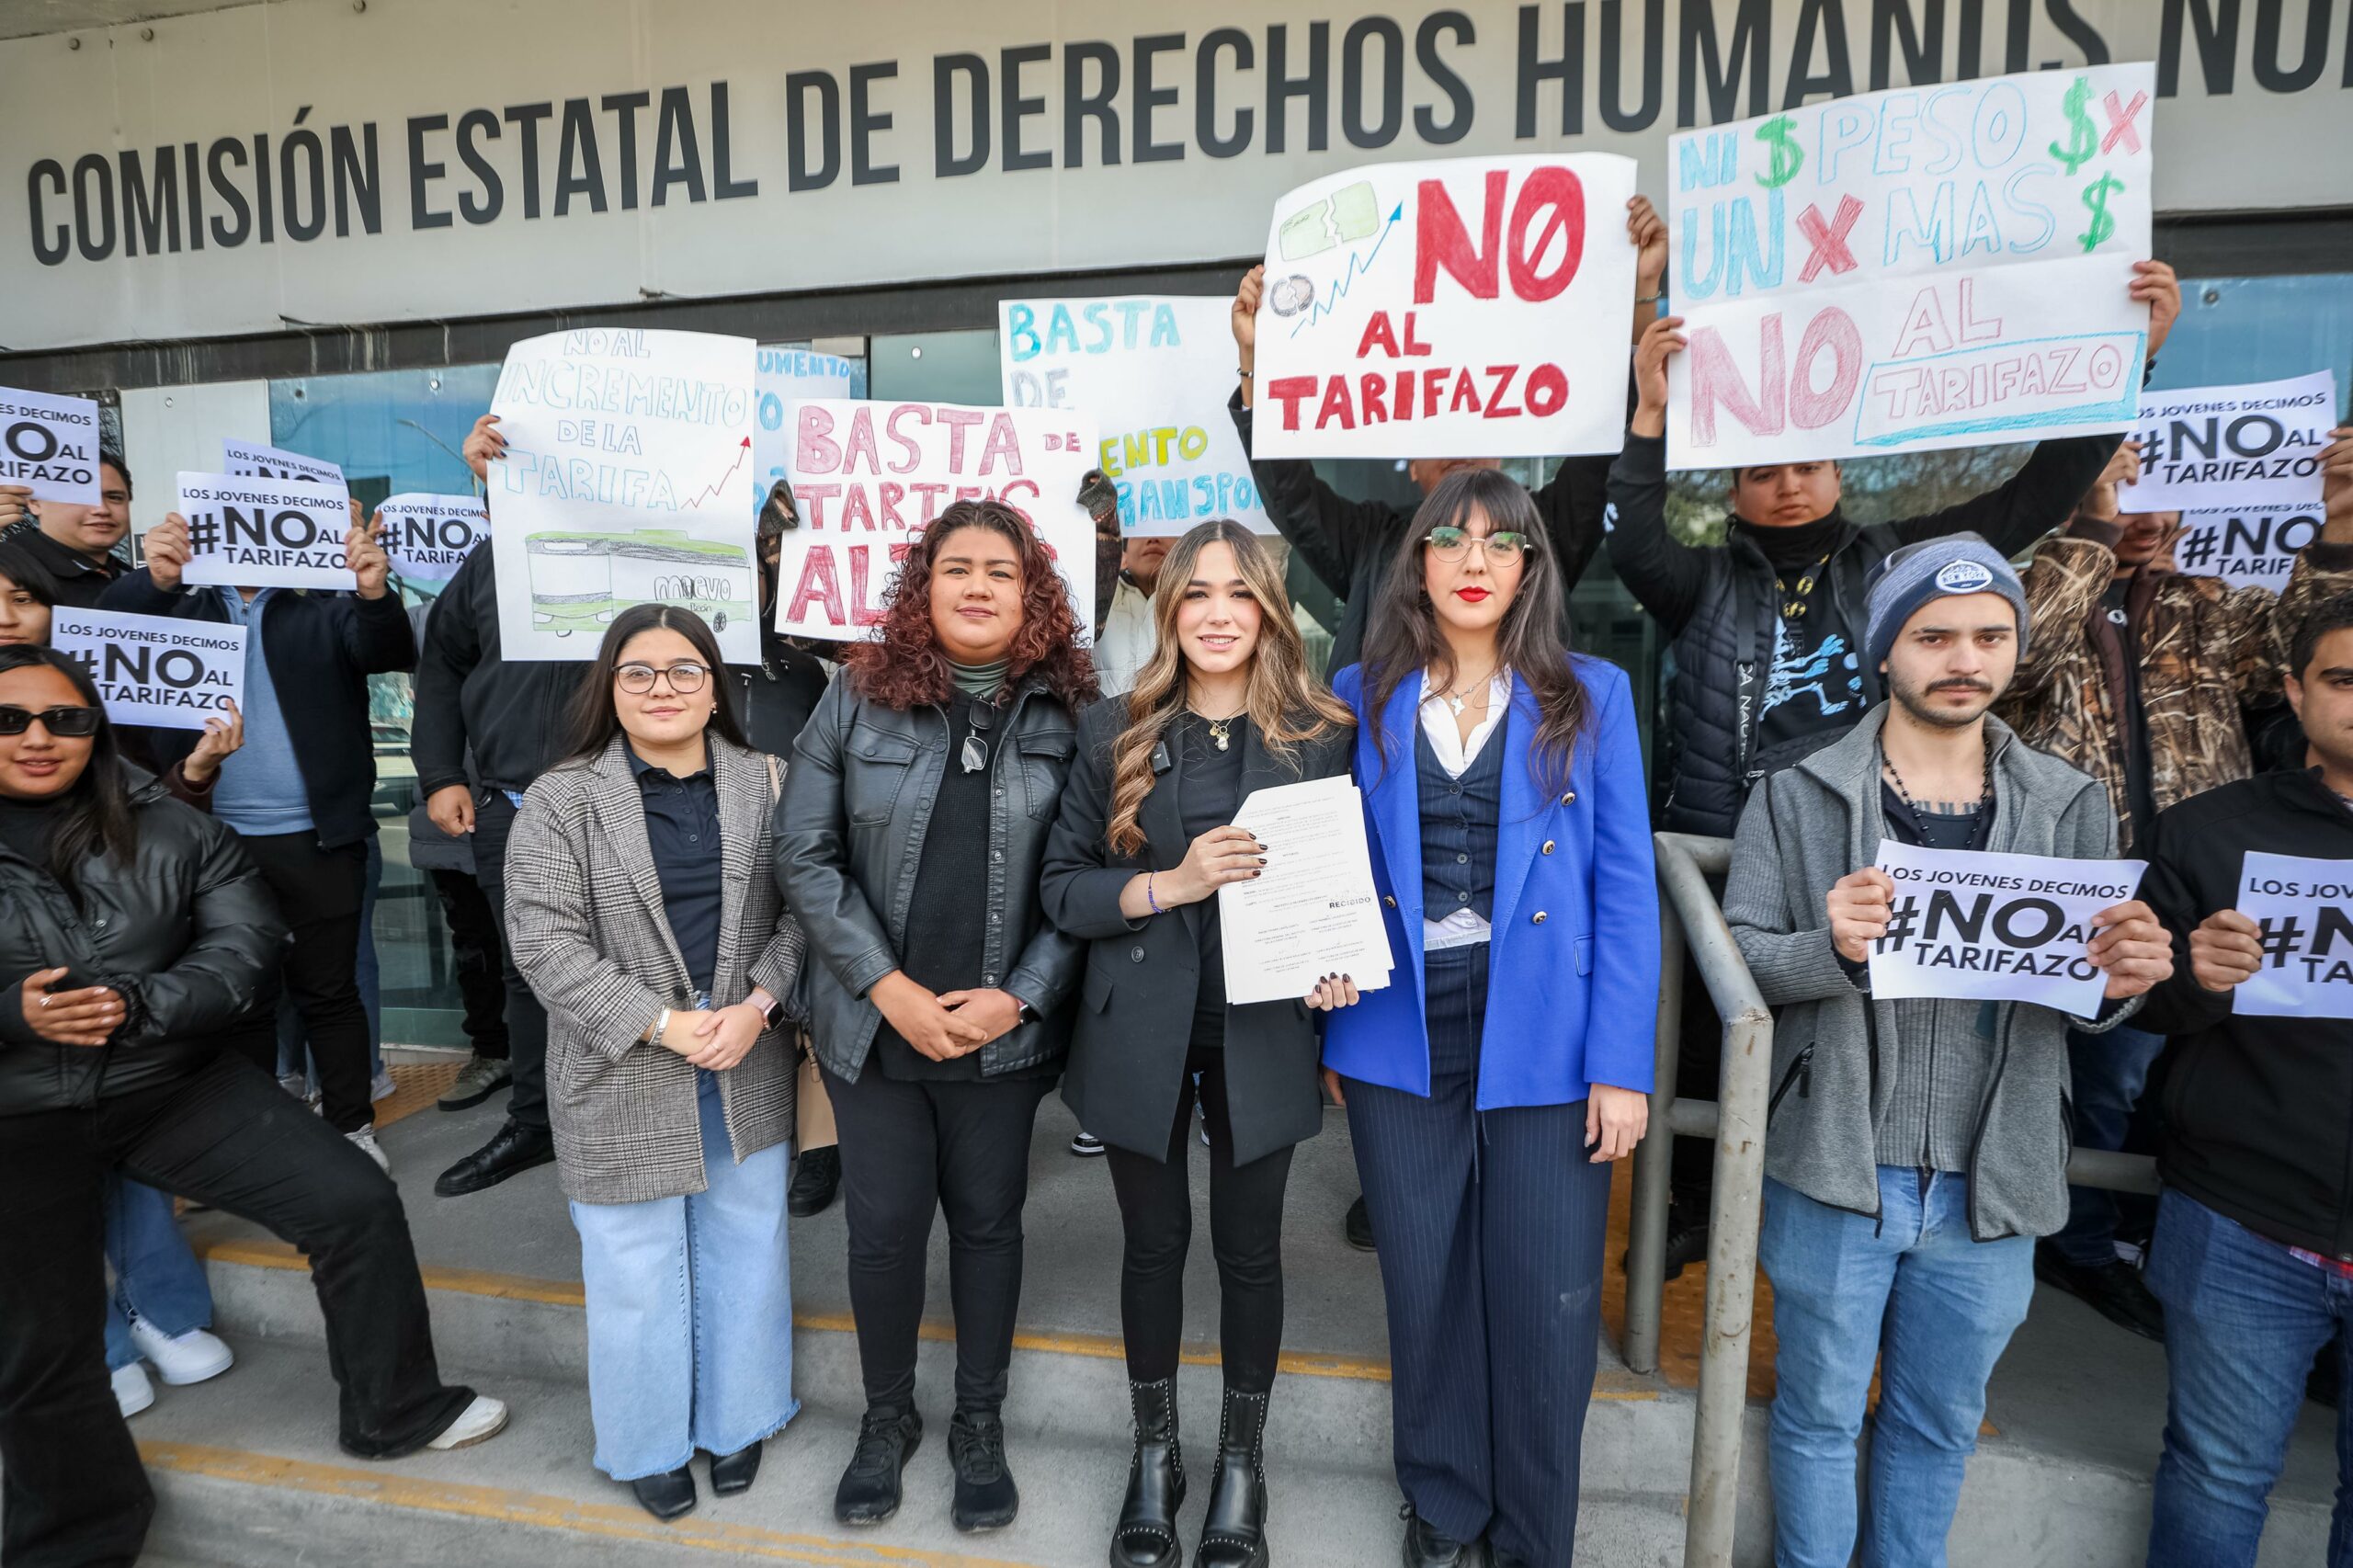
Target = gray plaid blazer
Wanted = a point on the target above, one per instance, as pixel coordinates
(586, 925)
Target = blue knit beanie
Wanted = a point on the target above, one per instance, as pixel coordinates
(1937, 568)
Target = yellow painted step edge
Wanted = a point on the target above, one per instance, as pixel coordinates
(499, 1505)
(1101, 1346)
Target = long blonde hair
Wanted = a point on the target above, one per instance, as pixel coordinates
(1286, 703)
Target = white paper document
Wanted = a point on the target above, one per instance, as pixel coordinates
(1314, 912)
(2303, 909)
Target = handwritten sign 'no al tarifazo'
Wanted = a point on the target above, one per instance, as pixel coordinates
(1462, 307)
(1902, 271)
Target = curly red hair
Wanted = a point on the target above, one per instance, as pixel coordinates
(903, 667)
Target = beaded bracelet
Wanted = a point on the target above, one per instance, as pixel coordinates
(1148, 897)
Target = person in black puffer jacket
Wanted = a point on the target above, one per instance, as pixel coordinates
(133, 929)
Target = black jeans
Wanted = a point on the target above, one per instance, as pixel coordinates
(1245, 1236)
(908, 1149)
(526, 1021)
(476, 945)
(319, 890)
(72, 1494)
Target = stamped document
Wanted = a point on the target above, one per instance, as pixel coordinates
(1313, 912)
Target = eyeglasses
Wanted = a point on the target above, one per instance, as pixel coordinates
(69, 721)
(976, 744)
(638, 679)
(1505, 548)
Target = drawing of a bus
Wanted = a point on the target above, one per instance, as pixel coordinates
(580, 580)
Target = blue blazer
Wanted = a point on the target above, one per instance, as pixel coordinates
(1564, 1010)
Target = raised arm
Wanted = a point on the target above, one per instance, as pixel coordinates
(1663, 572)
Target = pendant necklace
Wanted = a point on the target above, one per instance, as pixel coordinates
(1221, 729)
(1457, 700)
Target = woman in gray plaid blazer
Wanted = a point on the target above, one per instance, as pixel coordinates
(644, 917)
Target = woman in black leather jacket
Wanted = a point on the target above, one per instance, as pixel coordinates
(132, 928)
(909, 839)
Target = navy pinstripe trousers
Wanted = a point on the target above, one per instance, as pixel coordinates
(1490, 1235)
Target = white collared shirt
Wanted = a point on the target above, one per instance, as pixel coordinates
(1463, 928)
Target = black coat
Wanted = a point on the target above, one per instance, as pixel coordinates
(849, 841)
(322, 647)
(1719, 606)
(480, 719)
(186, 933)
(775, 696)
(2259, 1111)
(1135, 1014)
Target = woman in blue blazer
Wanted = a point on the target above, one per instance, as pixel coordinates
(1508, 1062)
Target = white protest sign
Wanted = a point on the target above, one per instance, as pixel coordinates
(2246, 549)
(427, 537)
(2256, 445)
(265, 533)
(51, 446)
(786, 378)
(1154, 372)
(254, 460)
(1461, 307)
(154, 669)
(1973, 924)
(2304, 910)
(870, 476)
(623, 484)
(1915, 269)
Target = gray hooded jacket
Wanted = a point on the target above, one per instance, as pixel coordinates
(1805, 827)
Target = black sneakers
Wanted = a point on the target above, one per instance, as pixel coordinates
(986, 1498)
(816, 1177)
(870, 1489)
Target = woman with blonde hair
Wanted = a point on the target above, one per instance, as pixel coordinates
(1225, 705)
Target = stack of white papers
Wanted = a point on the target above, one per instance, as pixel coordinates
(1314, 912)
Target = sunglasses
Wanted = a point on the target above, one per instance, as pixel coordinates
(74, 722)
(638, 679)
(1504, 548)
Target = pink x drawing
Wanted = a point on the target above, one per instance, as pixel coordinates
(2121, 116)
(1828, 240)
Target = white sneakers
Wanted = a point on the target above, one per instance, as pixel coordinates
(364, 1139)
(178, 1360)
(132, 1391)
(190, 1357)
(479, 1422)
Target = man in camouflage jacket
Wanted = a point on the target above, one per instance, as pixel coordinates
(2137, 674)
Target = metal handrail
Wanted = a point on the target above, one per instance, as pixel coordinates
(1690, 916)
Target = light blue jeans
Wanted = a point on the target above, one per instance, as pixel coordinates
(690, 1310)
(156, 1276)
(1913, 1292)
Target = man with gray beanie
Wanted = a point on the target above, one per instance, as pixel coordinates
(1913, 1148)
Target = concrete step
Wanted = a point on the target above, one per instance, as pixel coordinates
(247, 1472)
(2025, 1503)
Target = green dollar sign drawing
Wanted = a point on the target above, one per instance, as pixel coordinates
(2096, 197)
(1788, 156)
(2081, 142)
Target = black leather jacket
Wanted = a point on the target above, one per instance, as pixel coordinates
(849, 838)
(185, 933)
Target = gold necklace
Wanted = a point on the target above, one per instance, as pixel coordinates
(1221, 729)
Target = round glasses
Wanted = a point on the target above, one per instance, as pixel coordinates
(638, 679)
(1504, 548)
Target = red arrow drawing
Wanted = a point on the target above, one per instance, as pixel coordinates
(711, 490)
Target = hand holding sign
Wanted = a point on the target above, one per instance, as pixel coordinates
(224, 733)
(2225, 948)
(14, 500)
(369, 561)
(2132, 948)
(165, 547)
(1859, 906)
(484, 446)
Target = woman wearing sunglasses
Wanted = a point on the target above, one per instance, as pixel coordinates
(914, 824)
(1225, 705)
(137, 929)
(1508, 1062)
(651, 929)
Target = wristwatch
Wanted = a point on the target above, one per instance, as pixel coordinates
(773, 1014)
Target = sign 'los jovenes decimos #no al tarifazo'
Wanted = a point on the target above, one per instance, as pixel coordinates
(243, 169)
